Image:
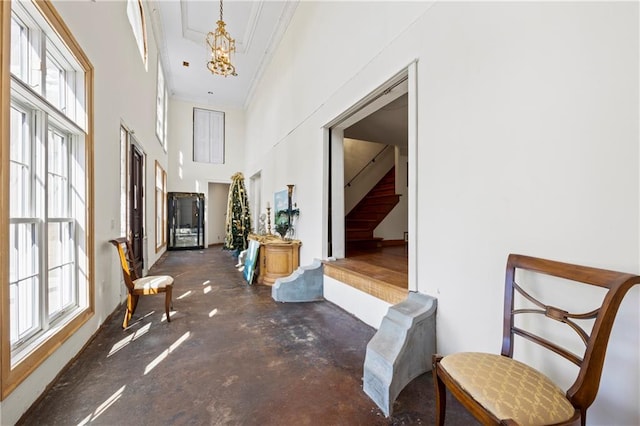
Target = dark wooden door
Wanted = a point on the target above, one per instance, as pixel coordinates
(136, 211)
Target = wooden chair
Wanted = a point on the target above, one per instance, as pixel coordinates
(499, 390)
(140, 286)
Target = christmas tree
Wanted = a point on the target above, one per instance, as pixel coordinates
(238, 223)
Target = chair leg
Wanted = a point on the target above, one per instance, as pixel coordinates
(168, 302)
(132, 302)
(440, 391)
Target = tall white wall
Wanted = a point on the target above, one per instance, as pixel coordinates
(527, 142)
(124, 92)
(302, 90)
(186, 175)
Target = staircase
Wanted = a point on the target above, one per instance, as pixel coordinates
(369, 212)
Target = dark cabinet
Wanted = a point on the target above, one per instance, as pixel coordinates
(185, 220)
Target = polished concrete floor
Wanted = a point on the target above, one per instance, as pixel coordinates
(230, 355)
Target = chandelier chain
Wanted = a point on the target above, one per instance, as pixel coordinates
(221, 10)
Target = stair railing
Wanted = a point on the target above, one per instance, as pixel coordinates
(373, 160)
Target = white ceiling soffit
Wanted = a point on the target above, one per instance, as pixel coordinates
(181, 26)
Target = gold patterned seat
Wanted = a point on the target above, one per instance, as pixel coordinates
(500, 390)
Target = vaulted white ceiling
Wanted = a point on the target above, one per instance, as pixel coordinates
(181, 27)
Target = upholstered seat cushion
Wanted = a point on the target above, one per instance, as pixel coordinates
(152, 283)
(508, 388)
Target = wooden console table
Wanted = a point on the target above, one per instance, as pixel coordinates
(276, 258)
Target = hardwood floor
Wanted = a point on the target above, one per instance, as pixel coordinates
(382, 272)
(394, 258)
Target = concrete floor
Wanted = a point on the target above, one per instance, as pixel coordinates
(231, 355)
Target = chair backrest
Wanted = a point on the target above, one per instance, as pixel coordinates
(129, 270)
(615, 285)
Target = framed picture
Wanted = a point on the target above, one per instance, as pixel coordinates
(280, 203)
(250, 261)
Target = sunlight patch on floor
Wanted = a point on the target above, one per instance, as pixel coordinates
(206, 282)
(130, 338)
(153, 364)
(171, 314)
(103, 407)
(184, 295)
(212, 313)
(207, 289)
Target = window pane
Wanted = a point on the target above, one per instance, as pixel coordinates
(23, 281)
(24, 259)
(159, 223)
(18, 48)
(136, 19)
(161, 209)
(60, 279)
(166, 117)
(19, 169)
(60, 239)
(19, 133)
(160, 105)
(61, 289)
(58, 171)
(55, 83)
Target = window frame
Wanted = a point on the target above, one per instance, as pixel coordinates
(50, 24)
(162, 95)
(161, 216)
(208, 136)
(135, 11)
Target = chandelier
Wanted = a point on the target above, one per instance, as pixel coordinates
(222, 46)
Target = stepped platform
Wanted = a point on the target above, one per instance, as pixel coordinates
(382, 273)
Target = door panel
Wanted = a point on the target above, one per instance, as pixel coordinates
(136, 215)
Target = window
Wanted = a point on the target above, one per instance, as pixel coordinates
(161, 207)
(162, 96)
(124, 174)
(135, 13)
(50, 255)
(208, 136)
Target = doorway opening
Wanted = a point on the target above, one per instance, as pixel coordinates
(371, 199)
(217, 196)
(132, 200)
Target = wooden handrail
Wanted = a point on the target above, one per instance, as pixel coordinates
(373, 160)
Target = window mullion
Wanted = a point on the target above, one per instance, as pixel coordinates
(44, 241)
(70, 213)
(43, 63)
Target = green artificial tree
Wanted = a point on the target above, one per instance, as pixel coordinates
(238, 224)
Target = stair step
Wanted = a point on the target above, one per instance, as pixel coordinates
(361, 223)
(358, 234)
(383, 208)
(370, 211)
(363, 244)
